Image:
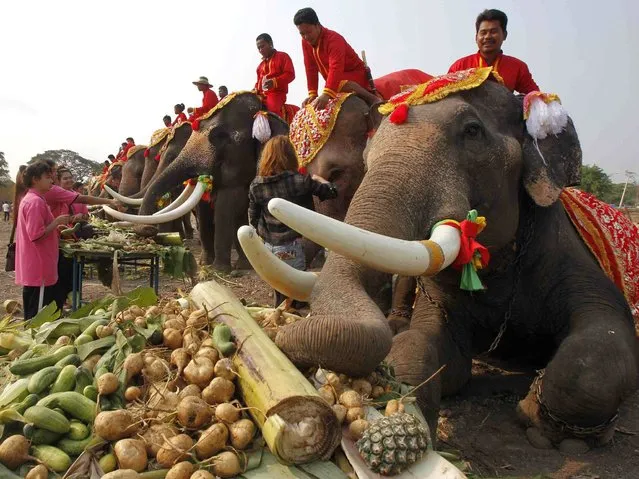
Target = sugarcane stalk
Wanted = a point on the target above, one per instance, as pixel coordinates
(297, 424)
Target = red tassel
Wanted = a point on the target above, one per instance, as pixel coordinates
(302, 170)
(195, 125)
(206, 196)
(399, 114)
(157, 157)
(146, 153)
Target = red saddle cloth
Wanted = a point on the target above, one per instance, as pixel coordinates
(396, 82)
(611, 237)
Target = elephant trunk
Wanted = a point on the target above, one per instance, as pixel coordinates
(347, 331)
(191, 163)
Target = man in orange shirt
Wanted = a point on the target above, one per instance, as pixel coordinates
(326, 52)
(209, 99)
(490, 28)
(274, 73)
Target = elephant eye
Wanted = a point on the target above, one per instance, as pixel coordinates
(335, 175)
(473, 130)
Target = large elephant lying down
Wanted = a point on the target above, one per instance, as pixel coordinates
(467, 151)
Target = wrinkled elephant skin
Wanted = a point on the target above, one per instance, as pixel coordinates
(471, 151)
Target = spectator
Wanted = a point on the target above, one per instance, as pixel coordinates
(222, 91)
(37, 241)
(6, 209)
(278, 178)
(167, 121)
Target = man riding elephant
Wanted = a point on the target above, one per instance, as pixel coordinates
(545, 286)
(274, 73)
(328, 53)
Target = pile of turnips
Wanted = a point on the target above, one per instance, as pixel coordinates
(182, 410)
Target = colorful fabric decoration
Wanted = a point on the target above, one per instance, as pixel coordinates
(171, 135)
(158, 136)
(221, 104)
(208, 183)
(133, 150)
(164, 200)
(472, 255)
(544, 114)
(310, 129)
(611, 237)
(432, 91)
(261, 127)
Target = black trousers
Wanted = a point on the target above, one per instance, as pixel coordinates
(65, 280)
(30, 297)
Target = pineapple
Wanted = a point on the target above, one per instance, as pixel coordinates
(392, 444)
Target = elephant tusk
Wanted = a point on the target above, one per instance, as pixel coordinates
(289, 281)
(379, 252)
(172, 215)
(123, 199)
(186, 193)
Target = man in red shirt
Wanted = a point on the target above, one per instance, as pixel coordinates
(209, 99)
(490, 28)
(274, 73)
(326, 52)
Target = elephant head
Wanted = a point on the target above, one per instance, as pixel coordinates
(222, 147)
(467, 151)
(132, 170)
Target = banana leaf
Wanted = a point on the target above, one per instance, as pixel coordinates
(142, 296)
(270, 467)
(45, 315)
(93, 347)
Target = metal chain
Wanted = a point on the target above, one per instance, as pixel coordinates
(563, 426)
(527, 236)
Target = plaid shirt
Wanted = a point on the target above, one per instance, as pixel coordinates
(291, 186)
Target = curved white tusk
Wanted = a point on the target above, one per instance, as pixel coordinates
(379, 252)
(186, 193)
(123, 199)
(178, 212)
(287, 280)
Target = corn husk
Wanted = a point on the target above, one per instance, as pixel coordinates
(297, 424)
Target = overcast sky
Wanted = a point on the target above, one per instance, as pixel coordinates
(84, 75)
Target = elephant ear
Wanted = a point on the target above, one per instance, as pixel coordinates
(551, 163)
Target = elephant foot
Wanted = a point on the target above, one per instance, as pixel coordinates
(243, 263)
(545, 430)
(206, 258)
(222, 267)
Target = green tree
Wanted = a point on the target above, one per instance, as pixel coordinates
(595, 180)
(5, 178)
(81, 168)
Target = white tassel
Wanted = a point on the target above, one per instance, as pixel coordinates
(545, 118)
(261, 128)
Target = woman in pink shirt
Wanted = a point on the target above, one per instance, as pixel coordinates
(37, 241)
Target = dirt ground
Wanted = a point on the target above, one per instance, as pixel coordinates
(479, 422)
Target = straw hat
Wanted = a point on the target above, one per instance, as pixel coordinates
(203, 81)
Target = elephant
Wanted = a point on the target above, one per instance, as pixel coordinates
(545, 294)
(132, 170)
(224, 148)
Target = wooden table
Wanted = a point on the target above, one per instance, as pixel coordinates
(83, 257)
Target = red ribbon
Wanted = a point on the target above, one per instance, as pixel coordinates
(468, 244)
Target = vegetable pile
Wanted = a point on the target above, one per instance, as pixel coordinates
(143, 389)
(189, 388)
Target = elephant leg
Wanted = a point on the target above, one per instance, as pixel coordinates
(188, 227)
(402, 305)
(230, 205)
(419, 352)
(573, 403)
(207, 232)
